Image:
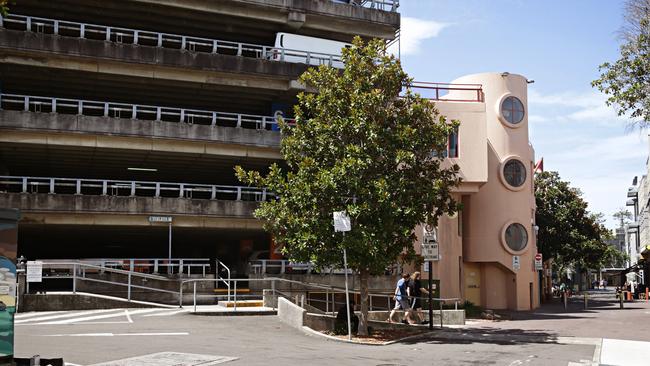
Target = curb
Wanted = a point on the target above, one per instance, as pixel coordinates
(310, 331)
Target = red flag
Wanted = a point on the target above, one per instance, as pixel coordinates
(539, 167)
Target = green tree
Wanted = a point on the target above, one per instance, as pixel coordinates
(361, 148)
(627, 81)
(568, 232)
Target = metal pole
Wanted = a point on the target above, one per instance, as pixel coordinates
(74, 279)
(195, 296)
(129, 288)
(171, 268)
(440, 308)
(235, 302)
(347, 294)
(431, 296)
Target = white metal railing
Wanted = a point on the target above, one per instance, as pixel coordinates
(385, 5)
(146, 265)
(32, 103)
(165, 40)
(107, 187)
(278, 266)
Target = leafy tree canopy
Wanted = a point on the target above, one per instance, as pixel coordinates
(360, 147)
(627, 81)
(568, 232)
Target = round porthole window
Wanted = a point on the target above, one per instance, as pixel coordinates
(514, 173)
(516, 237)
(512, 110)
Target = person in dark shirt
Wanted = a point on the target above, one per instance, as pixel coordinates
(415, 292)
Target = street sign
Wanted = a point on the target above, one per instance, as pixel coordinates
(538, 262)
(34, 271)
(430, 249)
(516, 263)
(342, 222)
(160, 219)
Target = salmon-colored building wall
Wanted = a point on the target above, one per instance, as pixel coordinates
(478, 265)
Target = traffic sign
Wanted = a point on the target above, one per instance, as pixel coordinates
(160, 219)
(430, 249)
(538, 262)
(342, 221)
(516, 263)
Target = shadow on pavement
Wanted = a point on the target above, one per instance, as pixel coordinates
(485, 335)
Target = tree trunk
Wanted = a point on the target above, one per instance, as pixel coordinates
(363, 320)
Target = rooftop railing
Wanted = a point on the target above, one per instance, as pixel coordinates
(447, 92)
(31, 103)
(385, 5)
(109, 187)
(165, 40)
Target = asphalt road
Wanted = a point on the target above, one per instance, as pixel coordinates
(85, 338)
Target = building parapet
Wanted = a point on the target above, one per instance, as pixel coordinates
(107, 187)
(31, 103)
(163, 40)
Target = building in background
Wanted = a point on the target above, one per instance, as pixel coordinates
(637, 232)
(487, 251)
(122, 121)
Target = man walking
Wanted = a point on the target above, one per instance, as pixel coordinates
(401, 300)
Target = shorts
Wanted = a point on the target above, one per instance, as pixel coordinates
(402, 304)
(416, 304)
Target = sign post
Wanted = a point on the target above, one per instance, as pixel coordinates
(167, 219)
(538, 262)
(342, 224)
(431, 252)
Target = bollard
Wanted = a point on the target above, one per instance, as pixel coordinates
(646, 294)
(586, 300)
(566, 300)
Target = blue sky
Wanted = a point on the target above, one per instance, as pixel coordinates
(559, 44)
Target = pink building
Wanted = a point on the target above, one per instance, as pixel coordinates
(487, 251)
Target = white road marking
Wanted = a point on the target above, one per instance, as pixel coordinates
(66, 315)
(115, 334)
(96, 317)
(72, 364)
(169, 313)
(128, 316)
(32, 314)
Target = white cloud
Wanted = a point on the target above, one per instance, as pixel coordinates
(414, 31)
(571, 107)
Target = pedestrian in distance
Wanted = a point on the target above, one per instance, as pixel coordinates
(415, 292)
(401, 300)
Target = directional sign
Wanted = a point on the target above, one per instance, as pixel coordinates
(538, 262)
(160, 219)
(516, 262)
(342, 221)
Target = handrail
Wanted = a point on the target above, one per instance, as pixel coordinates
(106, 187)
(165, 40)
(135, 263)
(385, 5)
(218, 277)
(95, 108)
(449, 92)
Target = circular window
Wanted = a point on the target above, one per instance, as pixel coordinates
(516, 237)
(514, 172)
(512, 109)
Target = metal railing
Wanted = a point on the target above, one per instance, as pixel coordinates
(78, 271)
(32, 103)
(385, 5)
(109, 187)
(278, 266)
(447, 92)
(146, 265)
(165, 40)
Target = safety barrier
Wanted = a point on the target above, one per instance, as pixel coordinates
(385, 5)
(32, 103)
(164, 40)
(447, 92)
(104, 187)
(146, 265)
